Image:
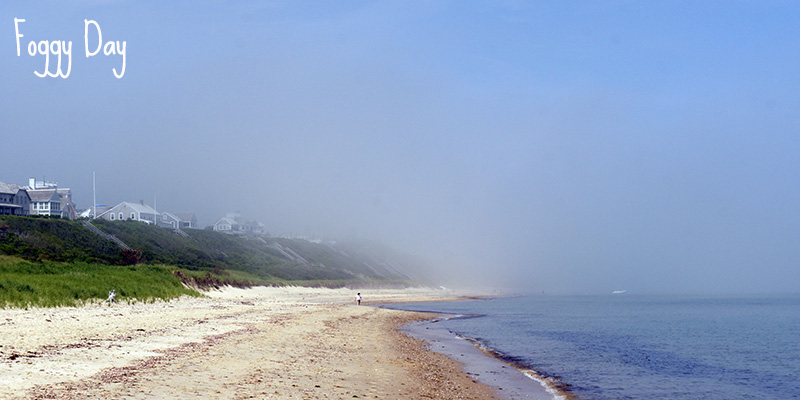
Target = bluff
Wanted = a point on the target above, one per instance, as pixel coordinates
(273, 260)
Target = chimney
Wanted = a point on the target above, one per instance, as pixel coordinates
(141, 202)
(32, 183)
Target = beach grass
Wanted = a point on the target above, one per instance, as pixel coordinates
(51, 284)
(25, 284)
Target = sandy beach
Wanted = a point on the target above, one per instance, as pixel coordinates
(262, 343)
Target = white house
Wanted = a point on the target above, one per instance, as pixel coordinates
(226, 225)
(130, 211)
(235, 225)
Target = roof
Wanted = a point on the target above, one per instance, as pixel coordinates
(44, 195)
(171, 215)
(226, 220)
(10, 188)
(140, 208)
(185, 216)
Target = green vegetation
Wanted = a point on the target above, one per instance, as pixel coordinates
(43, 239)
(50, 284)
(268, 258)
(50, 262)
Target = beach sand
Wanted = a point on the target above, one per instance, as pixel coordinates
(262, 343)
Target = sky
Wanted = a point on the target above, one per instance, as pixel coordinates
(556, 147)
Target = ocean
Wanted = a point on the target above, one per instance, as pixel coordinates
(625, 346)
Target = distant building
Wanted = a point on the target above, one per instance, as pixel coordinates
(130, 211)
(14, 199)
(48, 199)
(188, 220)
(233, 224)
(45, 202)
(228, 225)
(177, 220)
(168, 220)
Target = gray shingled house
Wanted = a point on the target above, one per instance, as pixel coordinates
(45, 202)
(130, 211)
(14, 199)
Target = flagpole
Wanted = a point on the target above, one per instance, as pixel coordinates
(94, 197)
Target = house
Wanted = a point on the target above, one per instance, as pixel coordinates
(233, 224)
(177, 220)
(14, 199)
(227, 225)
(43, 202)
(260, 229)
(130, 211)
(188, 220)
(168, 220)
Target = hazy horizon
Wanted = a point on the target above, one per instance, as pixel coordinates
(577, 147)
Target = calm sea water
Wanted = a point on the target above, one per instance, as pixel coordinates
(634, 347)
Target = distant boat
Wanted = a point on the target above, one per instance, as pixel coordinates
(619, 292)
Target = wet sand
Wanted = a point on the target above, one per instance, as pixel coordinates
(509, 382)
(265, 343)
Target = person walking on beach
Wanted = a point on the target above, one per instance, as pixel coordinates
(358, 299)
(112, 296)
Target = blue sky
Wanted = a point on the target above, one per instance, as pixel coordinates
(558, 146)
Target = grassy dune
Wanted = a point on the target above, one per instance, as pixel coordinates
(49, 284)
(52, 262)
(52, 284)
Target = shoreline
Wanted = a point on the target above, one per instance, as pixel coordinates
(236, 343)
(505, 382)
(508, 380)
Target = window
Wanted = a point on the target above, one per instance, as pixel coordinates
(164, 217)
(133, 216)
(120, 216)
(112, 216)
